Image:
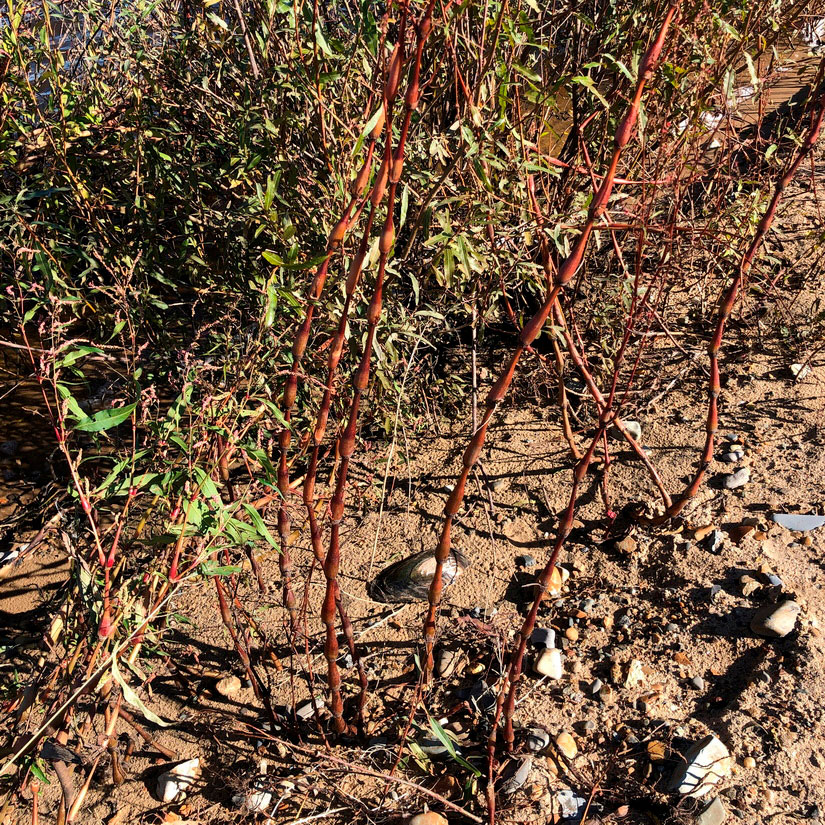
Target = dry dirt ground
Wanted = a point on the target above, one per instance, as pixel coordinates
(660, 616)
(665, 600)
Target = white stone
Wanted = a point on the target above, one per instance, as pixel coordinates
(570, 804)
(548, 663)
(635, 674)
(258, 801)
(800, 371)
(176, 780)
(705, 764)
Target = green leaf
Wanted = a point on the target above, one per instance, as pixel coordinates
(587, 82)
(106, 419)
(76, 354)
(259, 525)
(132, 698)
(448, 743)
(218, 21)
(212, 568)
(370, 125)
(37, 772)
(321, 41)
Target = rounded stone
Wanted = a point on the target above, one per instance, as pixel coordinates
(567, 745)
(548, 663)
(427, 818)
(776, 620)
(228, 686)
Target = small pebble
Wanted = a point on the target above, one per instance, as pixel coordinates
(572, 634)
(567, 745)
(570, 804)
(516, 775)
(698, 682)
(634, 428)
(525, 561)
(175, 781)
(447, 662)
(749, 763)
(635, 674)
(798, 523)
(228, 686)
(627, 545)
(714, 814)
(738, 479)
(9, 448)
(433, 747)
(428, 818)
(548, 663)
(543, 637)
(537, 740)
(597, 685)
(702, 767)
(776, 620)
(483, 696)
(714, 541)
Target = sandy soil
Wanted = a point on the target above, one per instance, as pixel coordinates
(660, 616)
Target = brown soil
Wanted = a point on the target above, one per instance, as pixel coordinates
(664, 600)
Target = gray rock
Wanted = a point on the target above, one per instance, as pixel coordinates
(597, 685)
(730, 458)
(447, 661)
(776, 620)
(433, 747)
(698, 682)
(714, 541)
(525, 561)
(9, 448)
(537, 740)
(305, 711)
(704, 765)
(587, 605)
(543, 637)
(634, 428)
(515, 775)
(738, 479)
(714, 814)
(798, 523)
